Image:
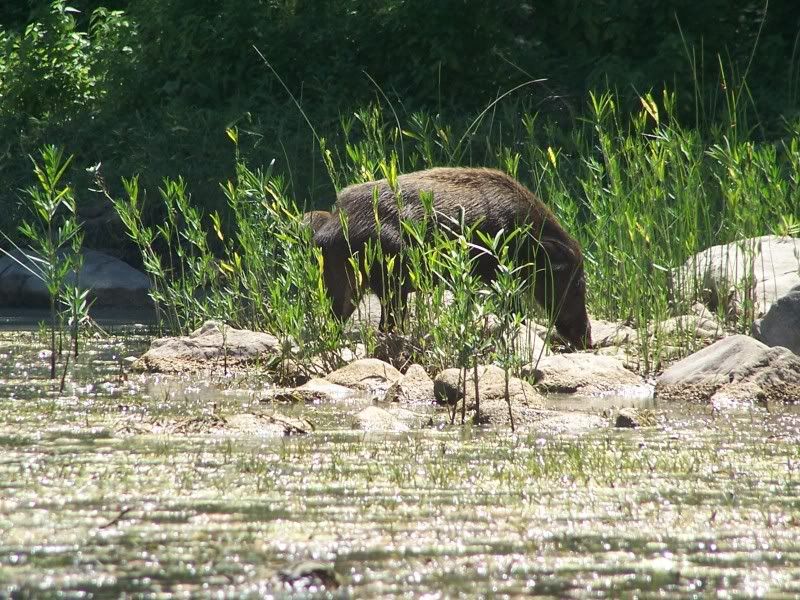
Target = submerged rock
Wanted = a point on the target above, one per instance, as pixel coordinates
(416, 386)
(583, 373)
(248, 424)
(570, 423)
(736, 368)
(309, 576)
(211, 348)
(311, 392)
(324, 389)
(369, 374)
(633, 418)
(266, 425)
(294, 396)
(495, 412)
(111, 282)
(781, 325)
(391, 419)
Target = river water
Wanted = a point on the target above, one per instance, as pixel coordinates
(95, 502)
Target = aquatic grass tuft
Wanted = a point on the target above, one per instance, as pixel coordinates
(55, 239)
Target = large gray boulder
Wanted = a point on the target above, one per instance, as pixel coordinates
(781, 325)
(111, 281)
(736, 368)
(758, 270)
(213, 348)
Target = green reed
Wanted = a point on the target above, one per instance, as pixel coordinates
(54, 255)
(639, 191)
(264, 275)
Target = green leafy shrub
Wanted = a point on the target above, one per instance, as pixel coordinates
(266, 276)
(53, 69)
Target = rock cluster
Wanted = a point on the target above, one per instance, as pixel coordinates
(764, 272)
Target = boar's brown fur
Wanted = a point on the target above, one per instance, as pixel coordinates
(316, 219)
(487, 197)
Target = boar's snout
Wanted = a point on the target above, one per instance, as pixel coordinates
(578, 332)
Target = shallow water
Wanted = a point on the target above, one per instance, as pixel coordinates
(704, 503)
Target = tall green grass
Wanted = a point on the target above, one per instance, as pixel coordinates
(641, 193)
(264, 275)
(52, 252)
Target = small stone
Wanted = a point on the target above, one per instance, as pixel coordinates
(369, 374)
(375, 418)
(633, 418)
(213, 347)
(688, 327)
(311, 574)
(525, 401)
(415, 387)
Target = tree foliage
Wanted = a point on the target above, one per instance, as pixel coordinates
(151, 85)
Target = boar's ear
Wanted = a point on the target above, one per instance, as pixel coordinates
(560, 255)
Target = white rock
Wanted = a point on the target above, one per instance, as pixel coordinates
(760, 270)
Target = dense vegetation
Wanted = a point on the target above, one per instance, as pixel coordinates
(696, 142)
(145, 86)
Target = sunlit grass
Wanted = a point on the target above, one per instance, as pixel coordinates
(640, 192)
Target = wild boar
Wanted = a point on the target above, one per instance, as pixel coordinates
(487, 198)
